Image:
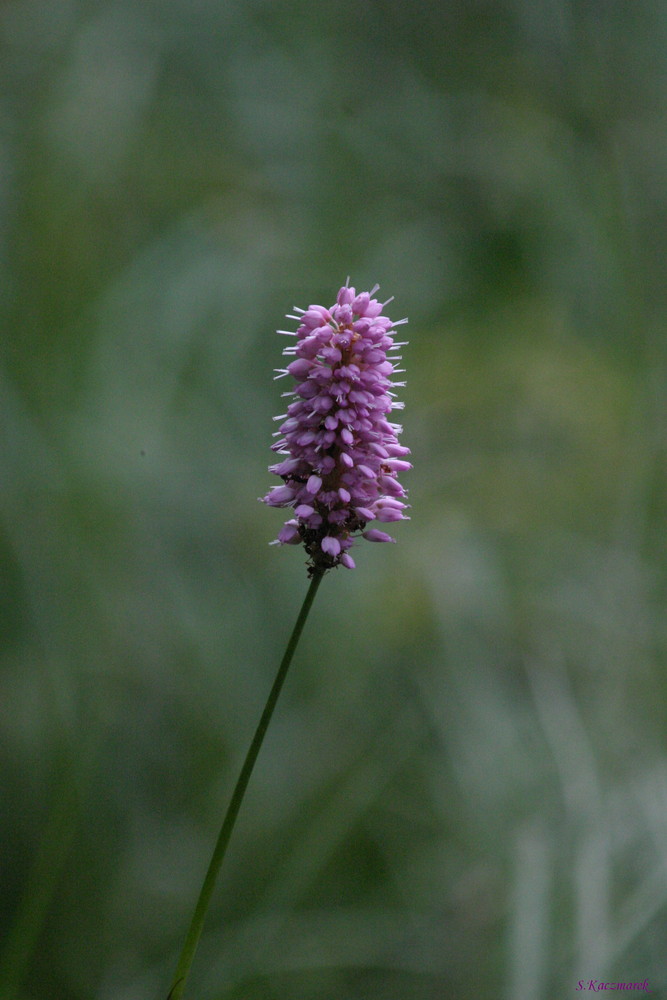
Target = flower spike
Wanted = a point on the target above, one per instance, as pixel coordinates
(342, 454)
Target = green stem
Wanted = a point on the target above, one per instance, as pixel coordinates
(197, 923)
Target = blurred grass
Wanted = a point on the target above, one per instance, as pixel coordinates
(463, 792)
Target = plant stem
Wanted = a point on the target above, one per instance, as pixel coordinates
(197, 923)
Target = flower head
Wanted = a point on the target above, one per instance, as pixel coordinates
(341, 453)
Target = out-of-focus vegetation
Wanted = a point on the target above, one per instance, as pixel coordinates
(464, 791)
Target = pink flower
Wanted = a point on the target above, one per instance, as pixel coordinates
(342, 455)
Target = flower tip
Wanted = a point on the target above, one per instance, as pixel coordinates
(375, 535)
(346, 295)
(330, 545)
(360, 303)
(289, 534)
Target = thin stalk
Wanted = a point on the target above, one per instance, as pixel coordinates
(197, 923)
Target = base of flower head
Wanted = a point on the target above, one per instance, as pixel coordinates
(328, 548)
(328, 552)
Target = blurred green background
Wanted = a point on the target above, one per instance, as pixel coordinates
(464, 790)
